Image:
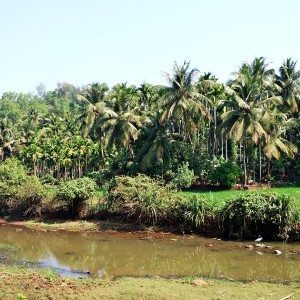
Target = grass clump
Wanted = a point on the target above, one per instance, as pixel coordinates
(195, 213)
(141, 197)
(269, 215)
(8, 249)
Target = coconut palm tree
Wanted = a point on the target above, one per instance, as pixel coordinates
(93, 105)
(182, 104)
(121, 130)
(253, 95)
(209, 86)
(10, 139)
(155, 144)
(276, 143)
(148, 96)
(288, 81)
(123, 98)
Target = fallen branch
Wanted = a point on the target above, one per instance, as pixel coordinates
(287, 297)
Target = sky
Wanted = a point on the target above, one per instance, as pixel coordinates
(85, 41)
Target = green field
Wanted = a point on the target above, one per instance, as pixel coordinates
(220, 197)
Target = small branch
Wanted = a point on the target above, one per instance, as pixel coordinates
(287, 297)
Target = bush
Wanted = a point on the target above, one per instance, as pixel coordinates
(49, 179)
(27, 201)
(21, 195)
(95, 176)
(140, 197)
(248, 216)
(74, 193)
(12, 175)
(195, 213)
(184, 177)
(226, 174)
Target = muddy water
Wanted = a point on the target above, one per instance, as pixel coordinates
(119, 254)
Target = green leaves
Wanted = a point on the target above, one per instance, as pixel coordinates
(140, 197)
(226, 174)
(81, 188)
(268, 215)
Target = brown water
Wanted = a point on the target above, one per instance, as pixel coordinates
(119, 254)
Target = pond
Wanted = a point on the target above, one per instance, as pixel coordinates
(114, 254)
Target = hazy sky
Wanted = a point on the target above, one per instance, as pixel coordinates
(83, 41)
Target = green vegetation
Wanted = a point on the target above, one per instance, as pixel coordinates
(184, 177)
(74, 194)
(8, 249)
(191, 127)
(20, 194)
(270, 215)
(226, 174)
(141, 197)
(20, 283)
(146, 201)
(218, 198)
(126, 152)
(243, 217)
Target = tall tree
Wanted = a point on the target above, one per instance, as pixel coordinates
(252, 96)
(93, 105)
(182, 104)
(288, 81)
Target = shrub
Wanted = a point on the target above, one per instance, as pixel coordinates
(49, 179)
(248, 216)
(12, 175)
(195, 213)
(226, 174)
(140, 197)
(94, 175)
(74, 193)
(21, 195)
(27, 201)
(184, 177)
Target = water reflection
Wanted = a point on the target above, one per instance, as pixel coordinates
(107, 254)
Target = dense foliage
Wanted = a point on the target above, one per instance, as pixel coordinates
(147, 140)
(70, 132)
(184, 177)
(226, 174)
(268, 215)
(74, 193)
(20, 194)
(141, 197)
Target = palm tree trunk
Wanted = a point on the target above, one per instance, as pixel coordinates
(245, 164)
(254, 170)
(260, 163)
(215, 148)
(222, 145)
(34, 167)
(240, 148)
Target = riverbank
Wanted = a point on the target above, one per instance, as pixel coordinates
(116, 227)
(141, 202)
(22, 283)
(81, 226)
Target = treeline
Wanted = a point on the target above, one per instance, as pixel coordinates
(246, 130)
